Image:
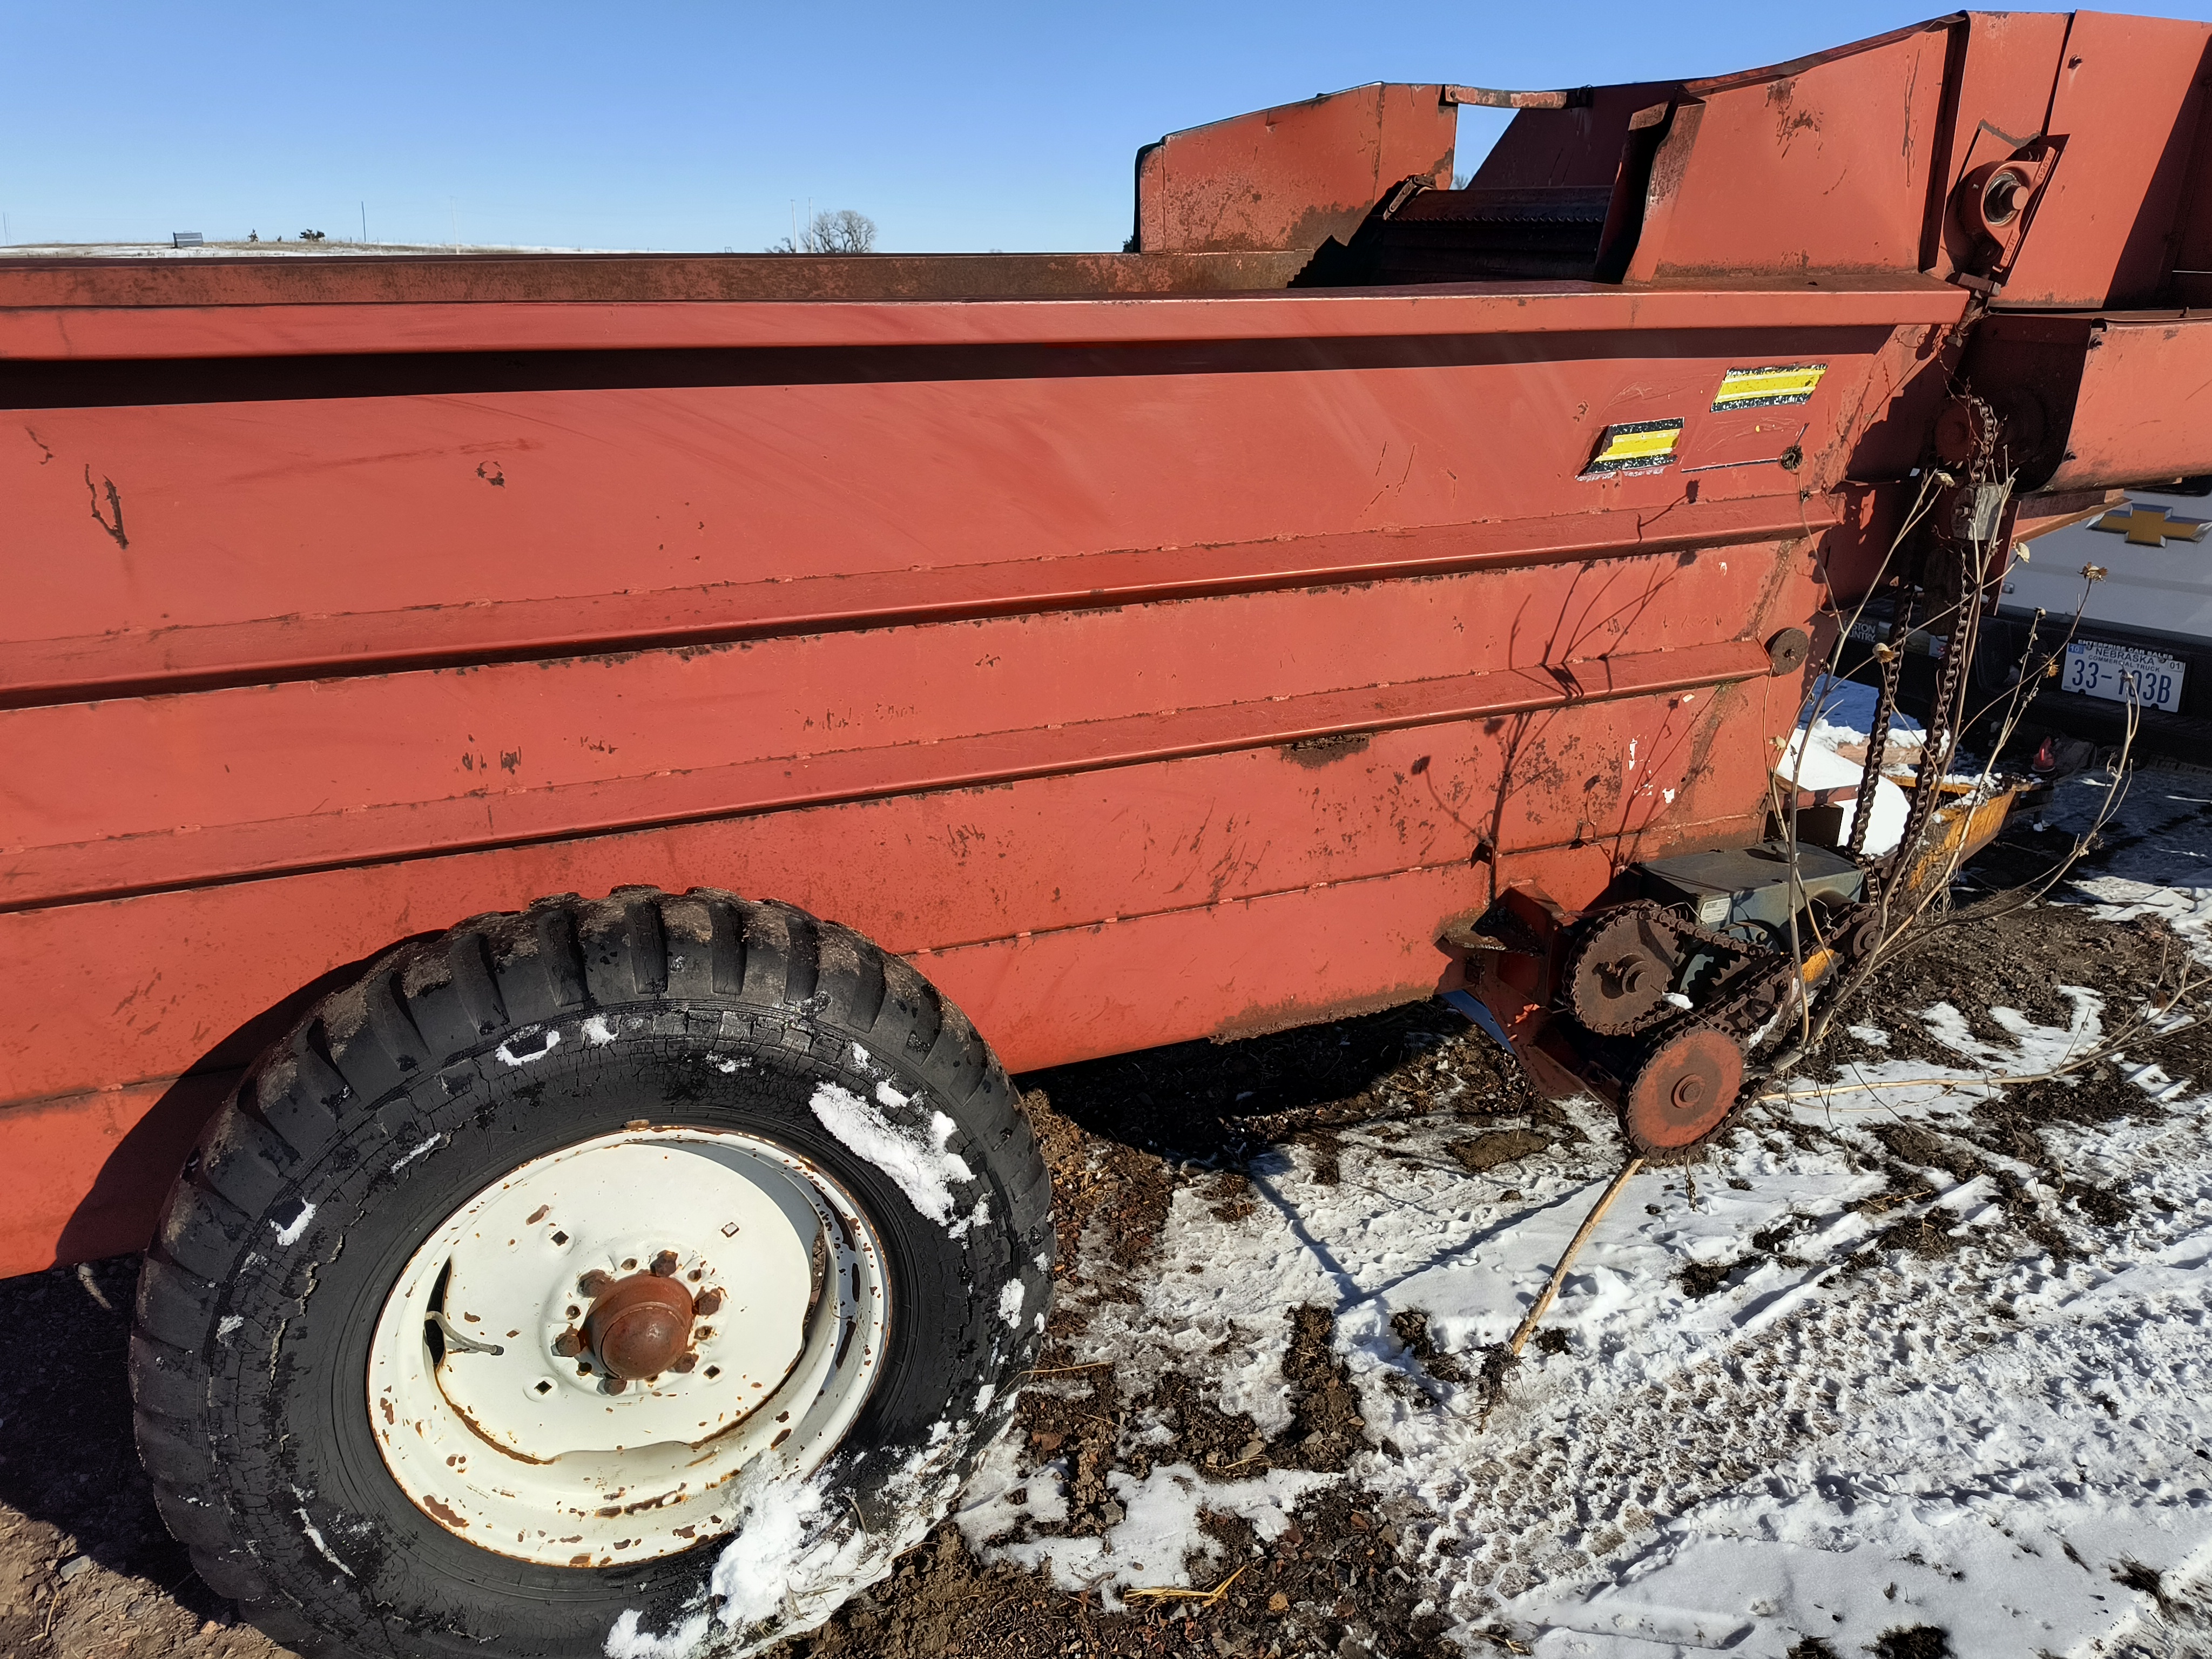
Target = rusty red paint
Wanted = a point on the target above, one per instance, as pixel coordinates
(1293, 176)
(1122, 619)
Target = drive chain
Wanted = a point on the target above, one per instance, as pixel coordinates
(1734, 1011)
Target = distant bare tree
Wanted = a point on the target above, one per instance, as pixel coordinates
(841, 232)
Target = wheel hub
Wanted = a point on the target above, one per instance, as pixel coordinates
(641, 1326)
(575, 1366)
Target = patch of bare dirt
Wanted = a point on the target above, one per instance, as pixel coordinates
(1333, 1582)
(87, 1569)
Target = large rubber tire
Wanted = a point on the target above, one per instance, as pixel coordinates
(283, 1236)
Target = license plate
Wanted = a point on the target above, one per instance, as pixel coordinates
(2120, 673)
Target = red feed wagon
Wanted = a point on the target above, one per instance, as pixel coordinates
(1362, 589)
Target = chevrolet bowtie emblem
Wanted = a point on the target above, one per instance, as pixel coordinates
(2149, 526)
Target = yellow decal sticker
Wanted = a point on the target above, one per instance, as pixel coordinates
(1762, 388)
(1635, 447)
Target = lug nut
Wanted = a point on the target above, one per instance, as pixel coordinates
(616, 1384)
(666, 1263)
(569, 1343)
(595, 1281)
(705, 1302)
(683, 1362)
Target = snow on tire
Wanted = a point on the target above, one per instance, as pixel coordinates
(635, 1278)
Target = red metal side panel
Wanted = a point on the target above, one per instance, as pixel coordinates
(155, 337)
(86, 1173)
(138, 989)
(1819, 171)
(293, 776)
(1360, 849)
(1292, 176)
(460, 523)
(2144, 408)
(2005, 76)
(2129, 98)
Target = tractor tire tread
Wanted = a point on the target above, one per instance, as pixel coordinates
(423, 1007)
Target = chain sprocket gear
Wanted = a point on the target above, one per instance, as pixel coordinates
(1653, 937)
(1619, 973)
(1683, 1090)
(1679, 1070)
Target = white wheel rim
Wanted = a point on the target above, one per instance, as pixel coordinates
(540, 1456)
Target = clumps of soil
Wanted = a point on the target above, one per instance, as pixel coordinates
(1121, 1188)
(1773, 1240)
(2104, 1208)
(1326, 1430)
(1811, 1647)
(1219, 1442)
(2006, 1127)
(2005, 958)
(1920, 1642)
(942, 1601)
(1700, 1279)
(1084, 1427)
(1411, 1328)
(1336, 1582)
(1229, 1198)
(1332, 1582)
(1550, 1339)
(1931, 1233)
(1480, 1154)
(1077, 1415)
(2149, 1581)
(1909, 1144)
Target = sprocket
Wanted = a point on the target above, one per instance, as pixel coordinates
(1618, 977)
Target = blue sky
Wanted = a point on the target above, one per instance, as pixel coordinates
(697, 126)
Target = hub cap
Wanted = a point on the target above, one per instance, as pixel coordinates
(578, 1363)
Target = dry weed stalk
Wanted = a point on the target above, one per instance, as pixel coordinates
(1917, 926)
(2151, 1022)
(1204, 1598)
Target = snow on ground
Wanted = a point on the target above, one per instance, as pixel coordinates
(1768, 1423)
(2164, 864)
